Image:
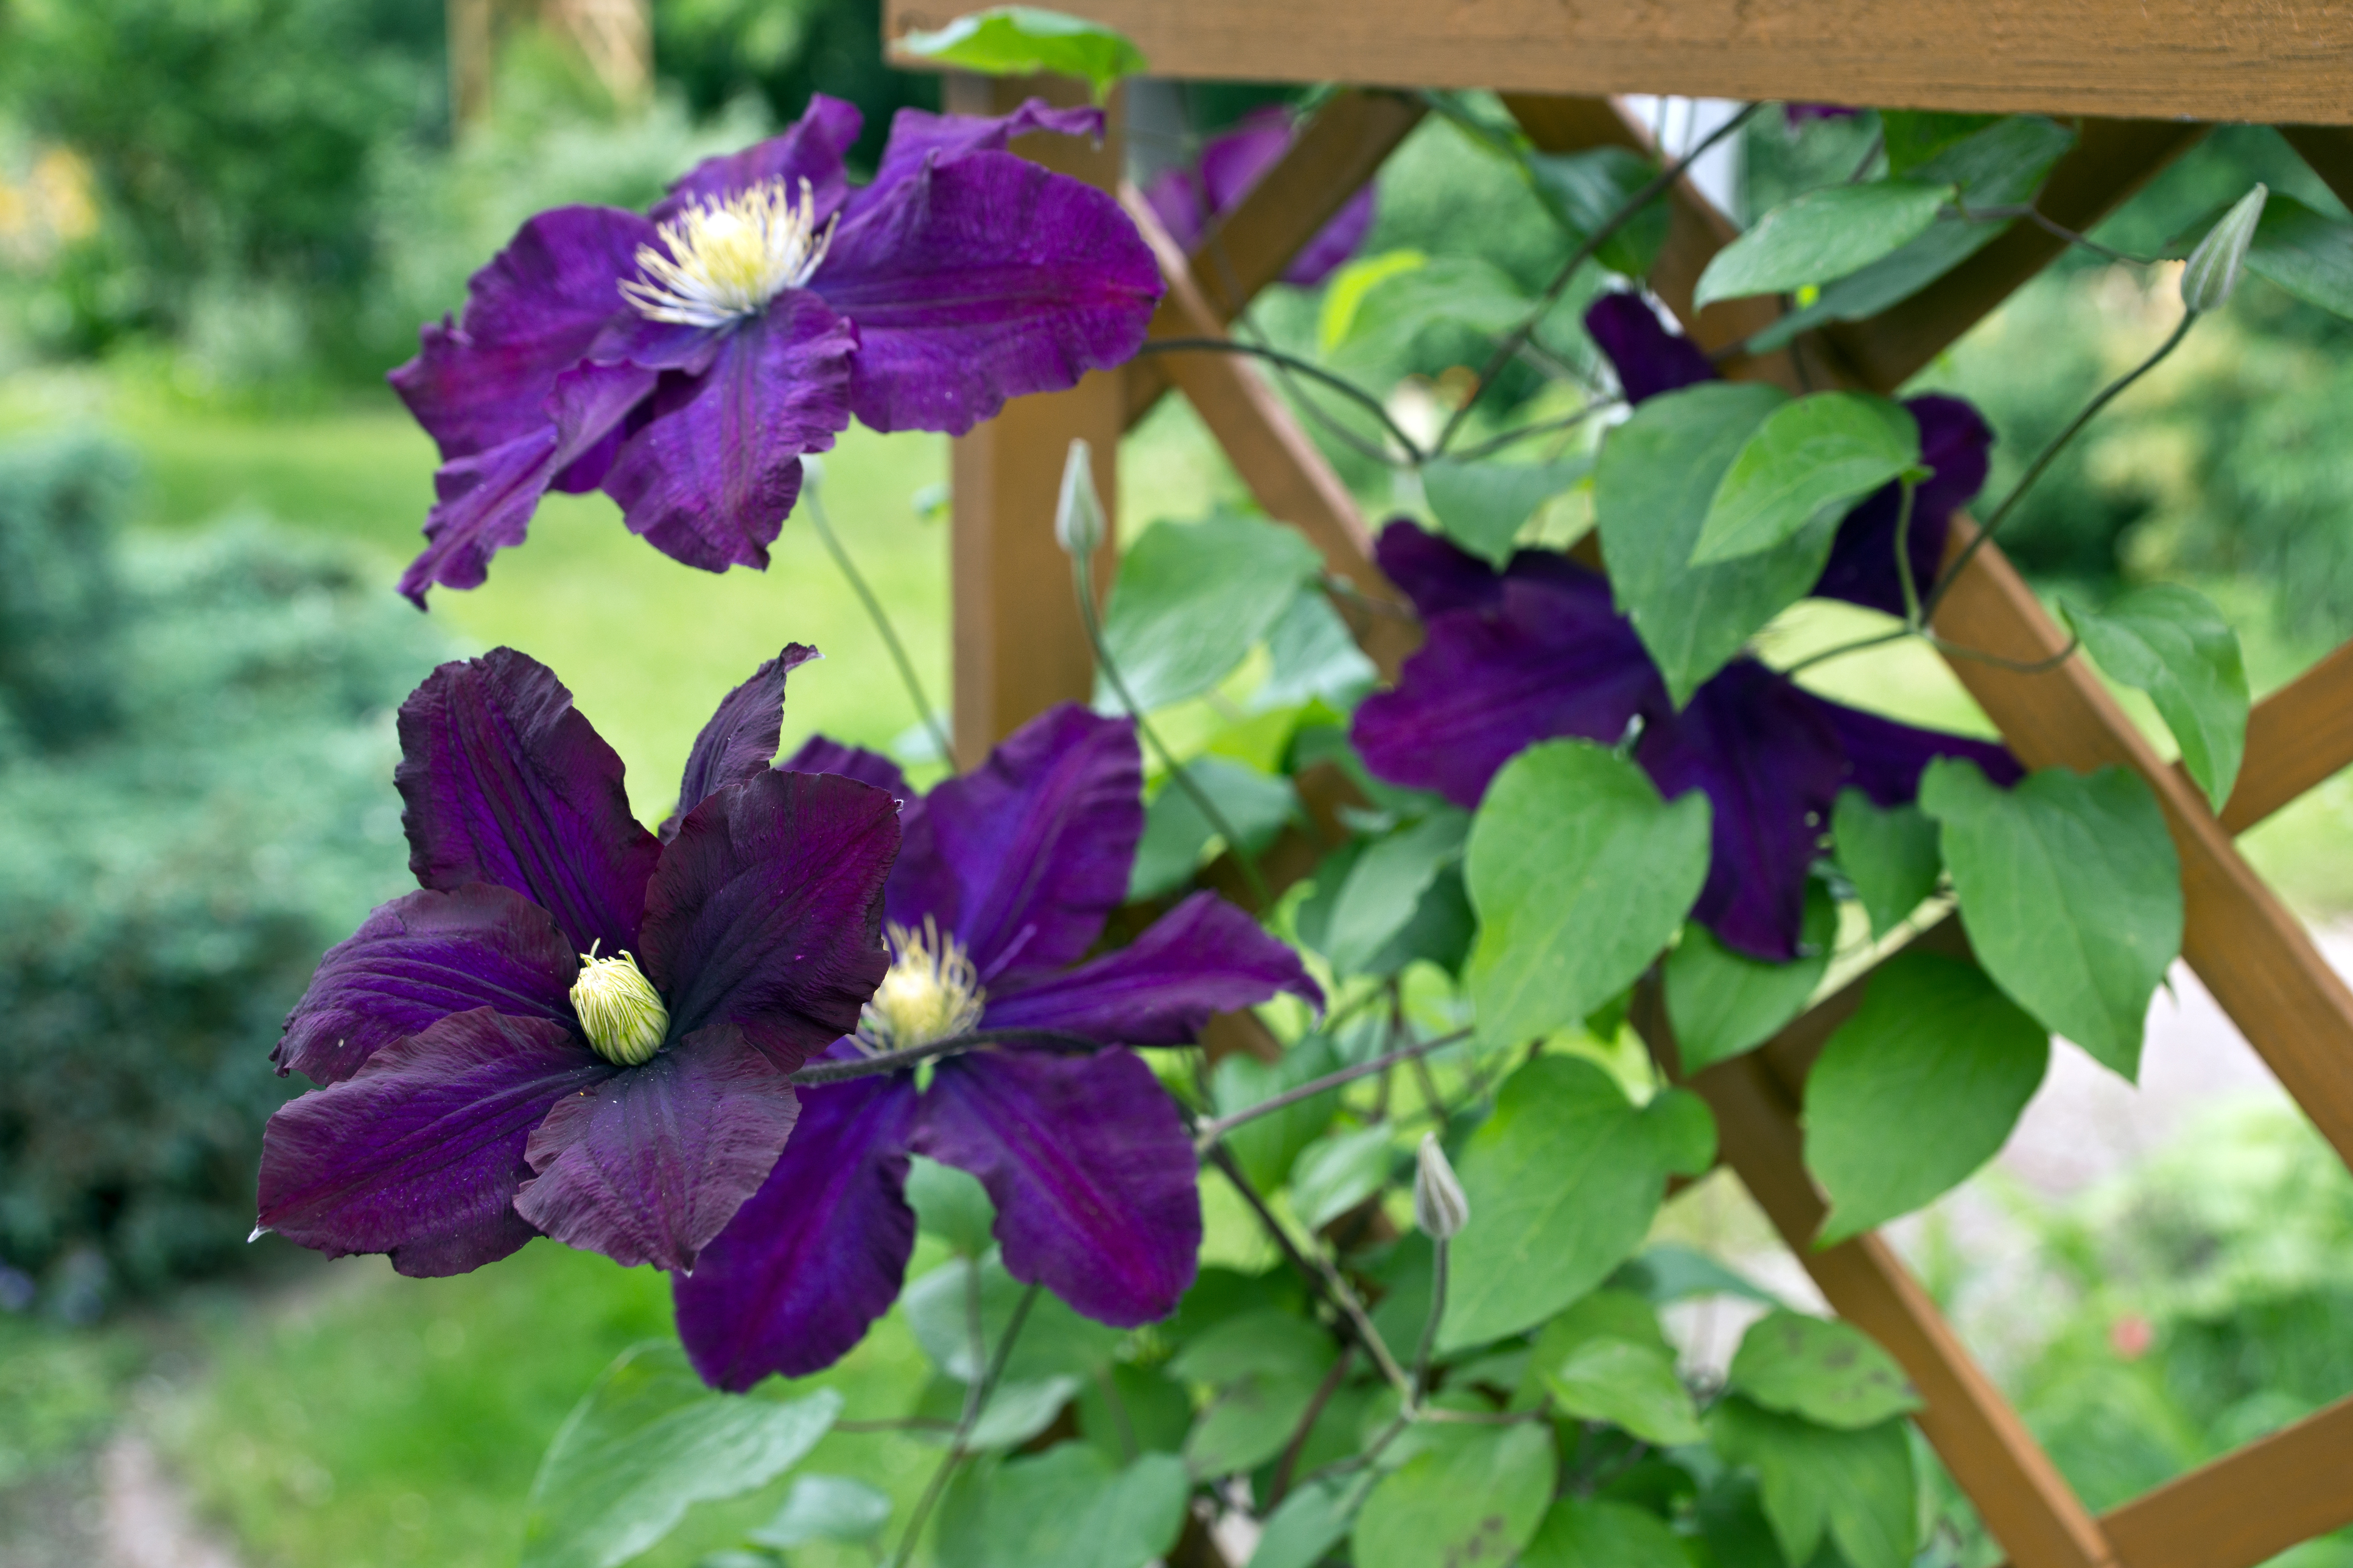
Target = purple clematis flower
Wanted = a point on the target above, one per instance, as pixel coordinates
(1188, 200)
(684, 360)
(576, 1029)
(1008, 876)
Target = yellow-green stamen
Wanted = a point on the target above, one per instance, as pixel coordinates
(619, 1010)
(932, 992)
(725, 257)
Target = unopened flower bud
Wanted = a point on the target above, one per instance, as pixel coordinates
(1439, 1206)
(2214, 267)
(619, 1010)
(1079, 517)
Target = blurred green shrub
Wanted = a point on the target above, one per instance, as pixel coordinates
(196, 740)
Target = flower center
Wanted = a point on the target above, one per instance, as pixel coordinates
(619, 1010)
(932, 992)
(730, 256)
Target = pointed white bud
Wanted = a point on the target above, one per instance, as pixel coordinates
(1079, 526)
(1439, 1206)
(2214, 267)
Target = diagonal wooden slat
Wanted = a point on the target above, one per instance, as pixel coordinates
(1334, 154)
(2247, 1506)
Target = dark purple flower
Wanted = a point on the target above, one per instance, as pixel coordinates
(1953, 442)
(1810, 113)
(1189, 200)
(495, 1062)
(1003, 887)
(1536, 652)
(685, 360)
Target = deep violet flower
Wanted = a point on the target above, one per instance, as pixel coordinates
(577, 1028)
(685, 360)
(1007, 877)
(1189, 199)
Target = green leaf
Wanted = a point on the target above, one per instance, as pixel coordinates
(1385, 887)
(2172, 643)
(826, 1507)
(1823, 234)
(1482, 505)
(1455, 290)
(1889, 853)
(1248, 1422)
(2000, 165)
(1192, 599)
(951, 1205)
(1475, 1495)
(1022, 40)
(1345, 292)
(1135, 1409)
(1265, 1341)
(1810, 458)
(1913, 137)
(1722, 1003)
(1305, 1526)
(1917, 1089)
(2305, 253)
(2070, 892)
(1337, 1172)
(1830, 1372)
(1266, 1146)
(1067, 1508)
(1562, 1181)
(1581, 1532)
(1857, 1487)
(1579, 873)
(1671, 1272)
(1253, 803)
(648, 1442)
(1055, 1340)
(1314, 659)
(1657, 475)
(1583, 190)
(1627, 1385)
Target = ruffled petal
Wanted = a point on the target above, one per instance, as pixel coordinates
(710, 478)
(486, 499)
(1648, 358)
(1437, 575)
(766, 910)
(1552, 659)
(819, 755)
(529, 314)
(1088, 1163)
(1957, 443)
(1024, 857)
(1770, 766)
(812, 148)
(740, 739)
(506, 782)
(817, 1254)
(1885, 758)
(980, 278)
(918, 133)
(650, 1164)
(1204, 956)
(416, 960)
(420, 1152)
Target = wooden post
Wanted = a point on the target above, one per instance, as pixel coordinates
(1020, 647)
(470, 62)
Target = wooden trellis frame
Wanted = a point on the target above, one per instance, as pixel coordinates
(2182, 63)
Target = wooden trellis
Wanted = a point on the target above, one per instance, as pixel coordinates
(2183, 63)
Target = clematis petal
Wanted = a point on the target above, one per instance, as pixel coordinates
(1188, 199)
(1648, 358)
(506, 782)
(1956, 442)
(766, 910)
(980, 278)
(1437, 575)
(1024, 857)
(1770, 765)
(740, 739)
(420, 1152)
(1885, 758)
(1553, 658)
(812, 148)
(416, 960)
(710, 478)
(649, 1164)
(1204, 956)
(819, 755)
(1088, 1163)
(918, 133)
(487, 499)
(532, 313)
(815, 1255)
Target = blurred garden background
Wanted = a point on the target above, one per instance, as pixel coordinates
(221, 222)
